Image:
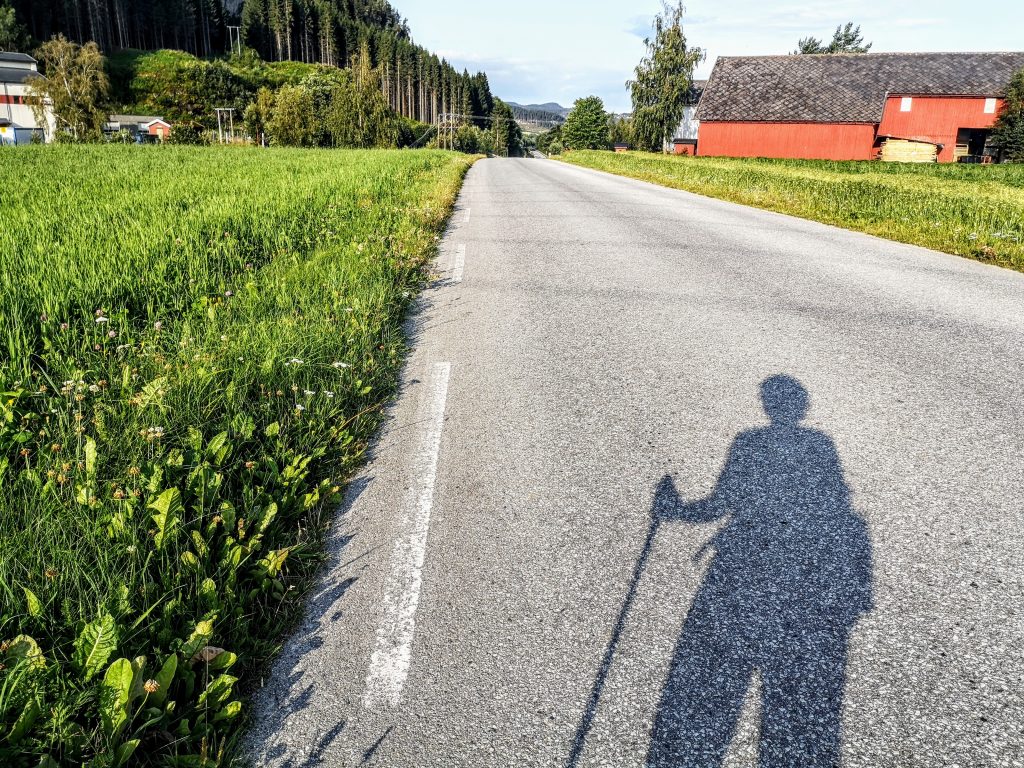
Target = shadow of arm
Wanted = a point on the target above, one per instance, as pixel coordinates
(668, 506)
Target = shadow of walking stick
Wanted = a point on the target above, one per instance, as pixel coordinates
(665, 498)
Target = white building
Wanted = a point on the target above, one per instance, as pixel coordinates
(17, 122)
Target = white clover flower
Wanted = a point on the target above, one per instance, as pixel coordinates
(102, 319)
(328, 394)
(300, 407)
(294, 361)
(94, 388)
(339, 364)
(158, 325)
(308, 392)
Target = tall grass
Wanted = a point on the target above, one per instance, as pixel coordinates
(968, 210)
(196, 346)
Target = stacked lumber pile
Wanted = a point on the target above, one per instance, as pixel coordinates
(905, 151)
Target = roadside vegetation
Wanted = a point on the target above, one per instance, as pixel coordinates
(197, 344)
(968, 210)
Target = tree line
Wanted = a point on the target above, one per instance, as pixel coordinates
(416, 83)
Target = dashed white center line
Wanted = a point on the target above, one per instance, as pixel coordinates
(392, 655)
(458, 263)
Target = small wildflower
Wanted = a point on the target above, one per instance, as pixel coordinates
(100, 312)
(43, 318)
(130, 549)
(158, 325)
(223, 337)
(56, 447)
(308, 392)
(102, 319)
(134, 471)
(300, 407)
(111, 334)
(63, 326)
(118, 494)
(250, 464)
(94, 388)
(229, 294)
(338, 364)
(294, 361)
(50, 573)
(328, 394)
(25, 452)
(151, 686)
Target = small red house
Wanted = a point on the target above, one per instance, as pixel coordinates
(846, 106)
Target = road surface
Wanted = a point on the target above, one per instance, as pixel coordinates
(676, 482)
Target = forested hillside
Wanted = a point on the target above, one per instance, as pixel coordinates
(416, 83)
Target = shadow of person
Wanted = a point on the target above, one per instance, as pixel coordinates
(790, 576)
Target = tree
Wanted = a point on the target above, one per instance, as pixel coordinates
(586, 126)
(258, 113)
(620, 130)
(663, 80)
(846, 39)
(359, 114)
(1008, 133)
(12, 34)
(74, 89)
(291, 122)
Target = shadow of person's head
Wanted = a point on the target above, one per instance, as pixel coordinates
(784, 399)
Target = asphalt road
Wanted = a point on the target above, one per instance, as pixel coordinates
(676, 482)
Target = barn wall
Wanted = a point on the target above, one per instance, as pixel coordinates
(935, 119)
(808, 141)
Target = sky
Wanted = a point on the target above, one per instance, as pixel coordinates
(562, 50)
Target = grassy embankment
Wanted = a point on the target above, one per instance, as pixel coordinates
(975, 211)
(196, 346)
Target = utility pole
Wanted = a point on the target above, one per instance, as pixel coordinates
(235, 37)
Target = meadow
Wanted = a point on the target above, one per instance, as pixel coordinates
(969, 210)
(196, 347)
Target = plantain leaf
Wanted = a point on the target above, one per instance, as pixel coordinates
(168, 509)
(138, 679)
(95, 645)
(164, 678)
(90, 459)
(218, 449)
(24, 722)
(35, 608)
(115, 693)
(124, 752)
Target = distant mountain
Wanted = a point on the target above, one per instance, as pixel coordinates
(550, 107)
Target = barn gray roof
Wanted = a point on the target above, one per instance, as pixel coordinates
(13, 56)
(845, 88)
(11, 75)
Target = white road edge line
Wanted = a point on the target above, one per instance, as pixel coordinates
(459, 263)
(392, 655)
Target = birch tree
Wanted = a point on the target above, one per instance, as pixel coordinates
(663, 80)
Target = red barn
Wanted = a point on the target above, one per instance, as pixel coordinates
(854, 106)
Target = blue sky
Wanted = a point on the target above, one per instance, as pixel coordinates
(552, 50)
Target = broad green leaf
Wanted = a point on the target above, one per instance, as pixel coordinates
(274, 561)
(230, 710)
(124, 752)
(217, 692)
(24, 722)
(35, 608)
(95, 645)
(272, 429)
(138, 678)
(218, 449)
(200, 636)
(168, 509)
(115, 693)
(25, 649)
(164, 678)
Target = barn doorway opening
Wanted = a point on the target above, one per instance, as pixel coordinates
(971, 144)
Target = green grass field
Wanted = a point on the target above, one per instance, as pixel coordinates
(197, 344)
(968, 210)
